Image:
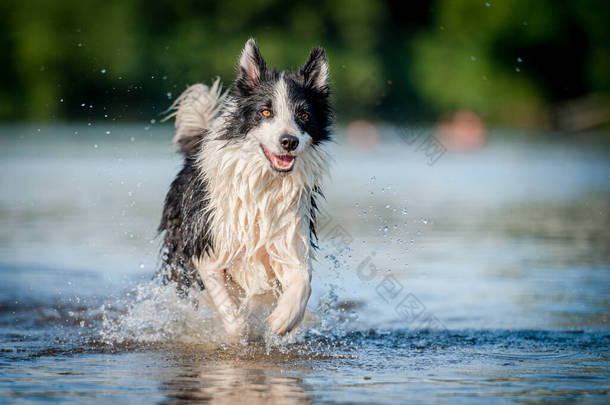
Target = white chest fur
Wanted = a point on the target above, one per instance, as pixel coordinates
(260, 218)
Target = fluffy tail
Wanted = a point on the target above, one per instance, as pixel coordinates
(194, 110)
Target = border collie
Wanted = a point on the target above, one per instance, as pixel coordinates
(239, 219)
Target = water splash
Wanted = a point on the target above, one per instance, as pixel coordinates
(153, 313)
(158, 314)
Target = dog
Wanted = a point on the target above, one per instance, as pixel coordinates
(239, 219)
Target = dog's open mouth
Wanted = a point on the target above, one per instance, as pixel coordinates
(283, 163)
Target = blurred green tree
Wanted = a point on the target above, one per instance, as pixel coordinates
(512, 61)
(509, 61)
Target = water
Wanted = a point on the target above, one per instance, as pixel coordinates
(482, 278)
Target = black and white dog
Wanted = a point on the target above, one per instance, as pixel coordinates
(239, 218)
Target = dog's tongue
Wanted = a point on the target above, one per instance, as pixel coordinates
(282, 162)
(279, 162)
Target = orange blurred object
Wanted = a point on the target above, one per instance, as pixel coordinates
(362, 134)
(465, 131)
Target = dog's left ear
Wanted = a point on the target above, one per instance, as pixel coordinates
(252, 66)
(315, 70)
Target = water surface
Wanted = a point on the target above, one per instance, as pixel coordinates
(482, 278)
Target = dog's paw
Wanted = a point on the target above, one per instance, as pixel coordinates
(290, 309)
(283, 320)
(235, 329)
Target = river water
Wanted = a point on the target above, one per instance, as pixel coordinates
(484, 277)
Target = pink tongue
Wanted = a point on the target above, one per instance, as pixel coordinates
(283, 161)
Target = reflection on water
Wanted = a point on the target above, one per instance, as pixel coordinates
(485, 274)
(360, 366)
(231, 382)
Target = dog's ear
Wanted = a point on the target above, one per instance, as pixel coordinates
(251, 65)
(315, 70)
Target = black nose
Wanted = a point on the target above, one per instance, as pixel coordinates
(289, 142)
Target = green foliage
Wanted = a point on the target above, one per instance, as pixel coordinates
(507, 60)
(128, 59)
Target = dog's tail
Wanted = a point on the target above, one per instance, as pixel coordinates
(194, 110)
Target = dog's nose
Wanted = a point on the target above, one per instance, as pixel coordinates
(289, 142)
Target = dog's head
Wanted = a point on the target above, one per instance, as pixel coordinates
(282, 115)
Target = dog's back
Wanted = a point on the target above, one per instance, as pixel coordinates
(194, 112)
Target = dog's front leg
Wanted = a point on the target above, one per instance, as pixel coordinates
(291, 305)
(215, 283)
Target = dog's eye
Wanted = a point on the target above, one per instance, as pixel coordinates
(266, 113)
(304, 117)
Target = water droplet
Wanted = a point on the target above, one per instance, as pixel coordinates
(132, 139)
(387, 205)
(95, 146)
(424, 221)
(153, 121)
(141, 265)
(385, 229)
(372, 180)
(107, 132)
(169, 95)
(356, 204)
(517, 70)
(103, 71)
(487, 4)
(79, 44)
(404, 211)
(519, 60)
(472, 58)
(61, 100)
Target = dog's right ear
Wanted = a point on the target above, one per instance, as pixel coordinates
(252, 66)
